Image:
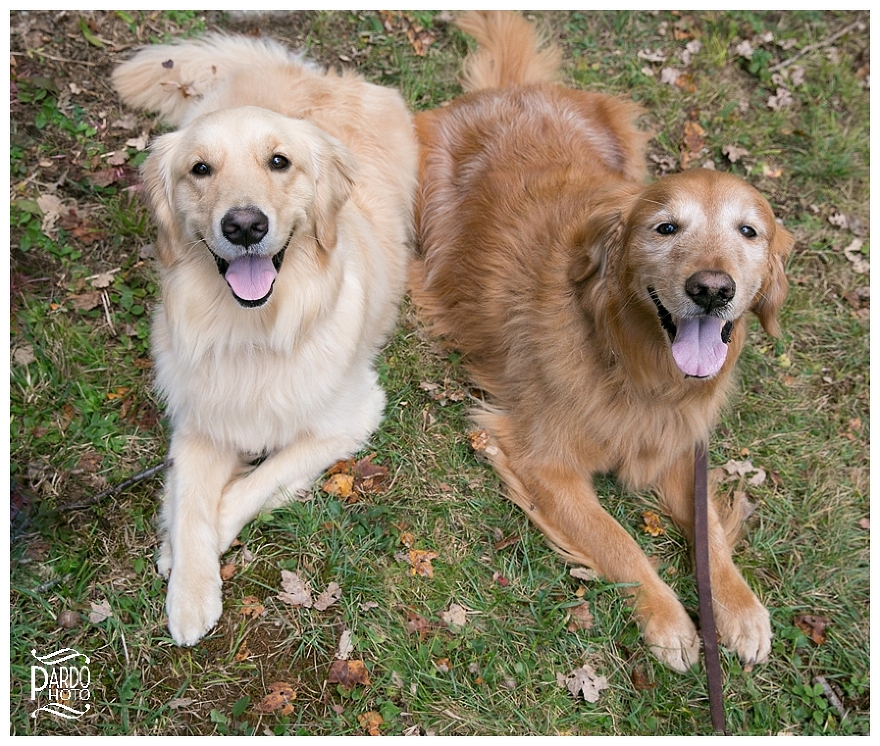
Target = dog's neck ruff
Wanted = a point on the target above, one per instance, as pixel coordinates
(699, 343)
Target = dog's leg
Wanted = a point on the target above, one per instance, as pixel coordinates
(743, 622)
(274, 481)
(563, 504)
(344, 429)
(196, 481)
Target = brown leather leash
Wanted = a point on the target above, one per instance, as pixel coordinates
(704, 588)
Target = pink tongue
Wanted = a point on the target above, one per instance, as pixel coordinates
(698, 349)
(251, 277)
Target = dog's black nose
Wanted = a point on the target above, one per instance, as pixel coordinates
(244, 226)
(710, 289)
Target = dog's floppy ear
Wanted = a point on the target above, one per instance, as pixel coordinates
(156, 175)
(335, 170)
(775, 285)
(601, 233)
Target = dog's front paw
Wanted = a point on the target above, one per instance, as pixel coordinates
(194, 604)
(668, 630)
(744, 627)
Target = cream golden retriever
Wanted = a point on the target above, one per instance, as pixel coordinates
(283, 203)
(603, 315)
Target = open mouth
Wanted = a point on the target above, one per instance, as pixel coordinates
(699, 343)
(251, 278)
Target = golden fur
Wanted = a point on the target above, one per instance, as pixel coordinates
(283, 204)
(548, 260)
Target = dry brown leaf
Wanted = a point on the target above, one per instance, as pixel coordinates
(278, 699)
(420, 562)
(227, 571)
(328, 597)
(339, 485)
(640, 680)
(296, 590)
(455, 617)
(371, 722)
(86, 301)
(417, 623)
(242, 654)
(252, 606)
(100, 611)
(443, 665)
(580, 618)
(652, 526)
(350, 479)
(348, 674)
(481, 443)
(813, 626)
(583, 682)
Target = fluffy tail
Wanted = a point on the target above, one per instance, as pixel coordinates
(511, 51)
(168, 78)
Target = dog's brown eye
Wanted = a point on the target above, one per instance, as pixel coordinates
(201, 169)
(278, 162)
(666, 229)
(748, 231)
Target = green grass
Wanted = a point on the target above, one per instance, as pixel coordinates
(82, 418)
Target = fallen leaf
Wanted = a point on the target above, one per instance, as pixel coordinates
(853, 254)
(227, 571)
(328, 597)
(279, 697)
(734, 153)
(350, 479)
(251, 606)
(443, 665)
(100, 612)
(455, 616)
(481, 443)
(50, 206)
(417, 623)
(782, 99)
(640, 680)
(296, 590)
(348, 674)
(652, 526)
(339, 485)
(242, 654)
(813, 626)
(343, 651)
(420, 562)
(102, 279)
(651, 55)
(180, 702)
(86, 301)
(371, 722)
(583, 682)
(24, 355)
(580, 618)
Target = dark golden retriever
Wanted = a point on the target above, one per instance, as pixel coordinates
(603, 315)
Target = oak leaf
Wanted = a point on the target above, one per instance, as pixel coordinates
(278, 699)
(348, 674)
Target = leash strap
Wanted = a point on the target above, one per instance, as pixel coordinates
(704, 587)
